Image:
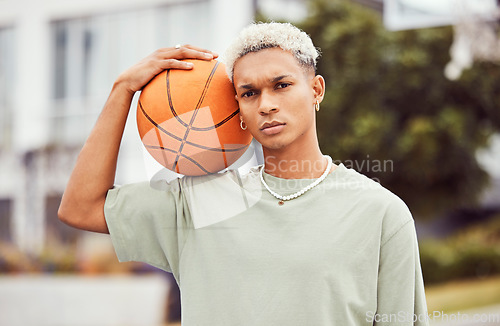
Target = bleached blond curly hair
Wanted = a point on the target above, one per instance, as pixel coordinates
(259, 36)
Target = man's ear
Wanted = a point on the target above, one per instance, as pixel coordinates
(318, 86)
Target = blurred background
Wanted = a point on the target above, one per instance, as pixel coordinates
(413, 101)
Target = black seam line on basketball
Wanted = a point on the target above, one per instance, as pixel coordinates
(184, 124)
(157, 125)
(170, 104)
(160, 147)
(195, 163)
(183, 155)
(195, 112)
(199, 165)
(188, 142)
(159, 138)
(212, 149)
(229, 117)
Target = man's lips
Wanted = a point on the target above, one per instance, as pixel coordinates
(272, 128)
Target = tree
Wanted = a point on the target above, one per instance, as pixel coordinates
(390, 113)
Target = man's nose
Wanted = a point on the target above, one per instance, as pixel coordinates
(268, 104)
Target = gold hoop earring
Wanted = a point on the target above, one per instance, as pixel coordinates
(241, 124)
(316, 106)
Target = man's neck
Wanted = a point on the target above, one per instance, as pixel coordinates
(292, 164)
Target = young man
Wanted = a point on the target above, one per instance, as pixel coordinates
(297, 241)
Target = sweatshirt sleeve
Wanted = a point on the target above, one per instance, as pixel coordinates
(400, 293)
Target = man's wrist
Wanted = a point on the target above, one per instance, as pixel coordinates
(121, 85)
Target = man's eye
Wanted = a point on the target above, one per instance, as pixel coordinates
(248, 94)
(282, 85)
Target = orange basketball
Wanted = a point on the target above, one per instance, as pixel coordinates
(188, 119)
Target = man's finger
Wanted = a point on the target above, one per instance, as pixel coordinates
(175, 64)
(189, 46)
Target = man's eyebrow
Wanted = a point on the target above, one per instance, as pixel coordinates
(272, 80)
(278, 78)
(246, 86)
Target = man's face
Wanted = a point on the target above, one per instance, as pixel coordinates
(276, 96)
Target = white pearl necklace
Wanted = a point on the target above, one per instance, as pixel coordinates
(303, 190)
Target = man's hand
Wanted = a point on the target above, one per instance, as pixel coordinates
(137, 76)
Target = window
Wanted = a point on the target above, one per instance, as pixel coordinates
(5, 220)
(73, 41)
(90, 52)
(187, 23)
(7, 63)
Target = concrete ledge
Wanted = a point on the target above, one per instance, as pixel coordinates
(38, 300)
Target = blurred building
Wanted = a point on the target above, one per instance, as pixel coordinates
(58, 61)
(283, 10)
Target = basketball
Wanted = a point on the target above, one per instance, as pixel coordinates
(188, 120)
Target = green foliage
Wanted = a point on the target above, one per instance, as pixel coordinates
(472, 253)
(388, 100)
(53, 259)
(59, 258)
